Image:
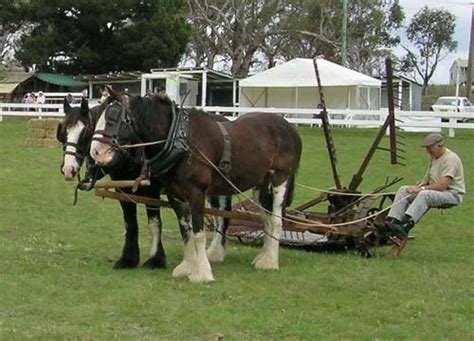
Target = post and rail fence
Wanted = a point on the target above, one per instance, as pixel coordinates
(406, 120)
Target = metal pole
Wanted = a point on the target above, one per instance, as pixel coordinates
(453, 120)
(344, 34)
(470, 68)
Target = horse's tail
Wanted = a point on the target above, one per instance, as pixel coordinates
(289, 192)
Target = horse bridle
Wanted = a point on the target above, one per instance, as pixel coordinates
(79, 152)
(113, 126)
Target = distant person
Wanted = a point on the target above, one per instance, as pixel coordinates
(104, 95)
(30, 98)
(70, 99)
(442, 186)
(40, 99)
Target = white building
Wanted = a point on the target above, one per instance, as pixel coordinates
(461, 65)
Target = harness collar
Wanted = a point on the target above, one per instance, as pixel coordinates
(176, 144)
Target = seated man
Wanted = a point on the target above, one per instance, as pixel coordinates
(443, 185)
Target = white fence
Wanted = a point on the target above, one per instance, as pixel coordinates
(407, 120)
(30, 110)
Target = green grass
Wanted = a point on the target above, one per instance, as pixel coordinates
(57, 281)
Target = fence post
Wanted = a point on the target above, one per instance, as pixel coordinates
(451, 130)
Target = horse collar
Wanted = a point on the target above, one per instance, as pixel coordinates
(176, 144)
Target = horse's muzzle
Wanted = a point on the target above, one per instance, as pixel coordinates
(102, 153)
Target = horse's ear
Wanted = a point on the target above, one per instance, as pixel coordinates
(66, 107)
(113, 94)
(125, 99)
(84, 106)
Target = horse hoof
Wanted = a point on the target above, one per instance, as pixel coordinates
(155, 263)
(265, 262)
(182, 270)
(215, 255)
(123, 263)
(201, 278)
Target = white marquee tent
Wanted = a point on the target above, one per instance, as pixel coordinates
(293, 85)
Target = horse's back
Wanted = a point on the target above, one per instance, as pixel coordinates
(266, 129)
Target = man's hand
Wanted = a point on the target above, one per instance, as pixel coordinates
(413, 189)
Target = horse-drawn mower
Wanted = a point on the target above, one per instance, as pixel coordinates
(346, 222)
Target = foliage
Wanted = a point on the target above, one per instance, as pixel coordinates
(82, 36)
(244, 31)
(58, 283)
(234, 30)
(317, 29)
(431, 31)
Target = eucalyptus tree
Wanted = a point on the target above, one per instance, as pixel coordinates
(431, 33)
(232, 30)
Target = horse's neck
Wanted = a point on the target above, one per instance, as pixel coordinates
(154, 125)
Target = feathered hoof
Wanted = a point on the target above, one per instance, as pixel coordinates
(125, 263)
(201, 277)
(264, 261)
(155, 263)
(215, 254)
(182, 270)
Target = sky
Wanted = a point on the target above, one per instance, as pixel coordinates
(462, 9)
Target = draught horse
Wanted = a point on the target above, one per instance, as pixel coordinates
(75, 134)
(261, 152)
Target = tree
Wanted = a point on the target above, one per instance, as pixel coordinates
(234, 30)
(9, 32)
(316, 29)
(82, 36)
(431, 32)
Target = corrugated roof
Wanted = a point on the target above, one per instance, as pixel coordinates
(12, 80)
(62, 80)
(15, 77)
(8, 88)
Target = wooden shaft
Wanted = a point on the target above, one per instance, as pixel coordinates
(120, 184)
(162, 203)
(296, 224)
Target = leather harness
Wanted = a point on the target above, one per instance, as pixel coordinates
(225, 163)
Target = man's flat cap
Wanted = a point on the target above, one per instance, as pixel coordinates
(432, 139)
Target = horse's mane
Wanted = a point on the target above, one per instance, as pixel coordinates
(146, 108)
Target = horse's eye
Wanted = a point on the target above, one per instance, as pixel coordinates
(112, 115)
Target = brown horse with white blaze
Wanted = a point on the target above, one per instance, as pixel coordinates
(262, 152)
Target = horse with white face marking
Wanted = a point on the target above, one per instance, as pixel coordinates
(75, 133)
(263, 149)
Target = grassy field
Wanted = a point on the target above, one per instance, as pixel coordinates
(57, 281)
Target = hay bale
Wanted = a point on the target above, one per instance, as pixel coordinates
(42, 132)
(45, 123)
(36, 133)
(42, 142)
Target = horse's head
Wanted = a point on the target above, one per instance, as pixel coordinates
(130, 120)
(75, 134)
(114, 128)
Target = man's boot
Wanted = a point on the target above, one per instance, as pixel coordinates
(401, 228)
(382, 228)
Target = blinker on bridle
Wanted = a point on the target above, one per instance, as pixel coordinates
(113, 126)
